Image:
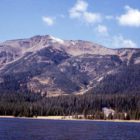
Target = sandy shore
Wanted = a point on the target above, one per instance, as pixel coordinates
(69, 118)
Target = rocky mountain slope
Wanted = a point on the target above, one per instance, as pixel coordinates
(51, 66)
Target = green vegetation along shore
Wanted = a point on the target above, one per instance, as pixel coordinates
(88, 106)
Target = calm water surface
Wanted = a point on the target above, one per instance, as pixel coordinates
(34, 129)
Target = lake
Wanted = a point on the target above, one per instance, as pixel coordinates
(37, 129)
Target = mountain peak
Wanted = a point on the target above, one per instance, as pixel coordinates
(46, 64)
(48, 38)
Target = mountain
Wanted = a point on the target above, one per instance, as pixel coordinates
(51, 66)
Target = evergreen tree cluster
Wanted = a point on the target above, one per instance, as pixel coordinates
(88, 105)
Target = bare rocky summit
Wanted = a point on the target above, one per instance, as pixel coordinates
(51, 66)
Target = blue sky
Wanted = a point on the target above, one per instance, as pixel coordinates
(111, 23)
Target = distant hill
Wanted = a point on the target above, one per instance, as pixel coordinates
(51, 66)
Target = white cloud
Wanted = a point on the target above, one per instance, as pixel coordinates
(118, 41)
(91, 17)
(48, 20)
(130, 18)
(80, 11)
(121, 42)
(102, 30)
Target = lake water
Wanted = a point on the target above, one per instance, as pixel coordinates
(35, 129)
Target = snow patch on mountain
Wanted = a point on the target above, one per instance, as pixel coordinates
(54, 39)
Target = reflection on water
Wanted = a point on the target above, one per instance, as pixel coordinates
(33, 129)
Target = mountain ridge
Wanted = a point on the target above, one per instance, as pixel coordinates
(51, 66)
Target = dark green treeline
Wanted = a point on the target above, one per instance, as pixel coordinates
(29, 105)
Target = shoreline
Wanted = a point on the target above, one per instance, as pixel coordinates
(70, 119)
